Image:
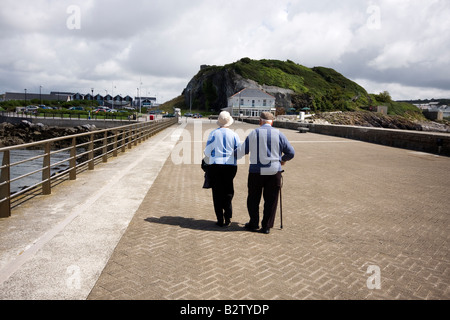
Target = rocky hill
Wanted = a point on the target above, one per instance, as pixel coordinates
(294, 86)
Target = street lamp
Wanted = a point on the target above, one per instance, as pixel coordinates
(113, 95)
(239, 106)
(139, 99)
(190, 100)
(140, 103)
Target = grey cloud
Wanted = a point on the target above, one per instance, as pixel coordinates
(164, 42)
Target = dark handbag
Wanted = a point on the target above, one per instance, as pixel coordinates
(204, 165)
(207, 182)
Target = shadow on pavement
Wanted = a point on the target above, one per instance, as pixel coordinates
(190, 223)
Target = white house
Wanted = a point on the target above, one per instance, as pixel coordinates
(435, 108)
(251, 102)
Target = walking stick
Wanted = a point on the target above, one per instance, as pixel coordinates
(281, 201)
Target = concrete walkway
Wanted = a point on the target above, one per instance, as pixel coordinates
(361, 221)
(55, 247)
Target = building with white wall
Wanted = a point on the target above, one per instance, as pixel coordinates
(251, 102)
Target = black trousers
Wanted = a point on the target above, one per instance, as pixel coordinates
(221, 179)
(269, 188)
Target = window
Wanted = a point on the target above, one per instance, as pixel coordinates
(264, 103)
(253, 103)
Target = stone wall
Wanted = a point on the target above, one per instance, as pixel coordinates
(431, 142)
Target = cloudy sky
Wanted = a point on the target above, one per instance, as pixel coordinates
(117, 46)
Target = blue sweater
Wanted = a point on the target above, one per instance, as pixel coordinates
(221, 147)
(267, 147)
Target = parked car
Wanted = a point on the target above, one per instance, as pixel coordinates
(198, 115)
(169, 115)
(76, 108)
(100, 110)
(188, 114)
(31, 109)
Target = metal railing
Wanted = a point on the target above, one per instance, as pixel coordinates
(70, 116)
(84, 151)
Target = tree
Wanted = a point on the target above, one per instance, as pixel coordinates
(384, 97)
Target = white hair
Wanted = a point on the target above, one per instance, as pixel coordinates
(266, 121)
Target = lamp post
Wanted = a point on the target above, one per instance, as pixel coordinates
(92, 90)
(239, 106)
(112, 95)
(40, 94)
(25, 96)
(139, 98)
(190, 100)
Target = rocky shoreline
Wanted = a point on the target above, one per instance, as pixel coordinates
(377, 120)
(27, 132)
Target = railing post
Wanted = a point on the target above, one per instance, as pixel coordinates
(73, 160)
(130, 137)
(91, 153)
(124, 140)
(141, 132)
(5, 188)
(115, 144)
(46, 186)
(136, 135)
(147, 130)
(105, 147)
(152, 127)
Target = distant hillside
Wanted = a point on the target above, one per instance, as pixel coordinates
(294, 86)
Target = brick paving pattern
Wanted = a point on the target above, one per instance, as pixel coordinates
(347, 205)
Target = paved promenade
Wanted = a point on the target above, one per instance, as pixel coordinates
(361, 221)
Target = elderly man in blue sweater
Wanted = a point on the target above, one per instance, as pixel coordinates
(269, 149)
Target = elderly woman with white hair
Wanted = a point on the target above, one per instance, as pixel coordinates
(221, 158)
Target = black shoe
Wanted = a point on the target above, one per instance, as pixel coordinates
(250, 228)
(220, 224)
(265, 230)
(227, 223)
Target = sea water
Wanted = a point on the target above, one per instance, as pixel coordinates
(33, 165)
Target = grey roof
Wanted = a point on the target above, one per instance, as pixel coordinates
(29, 96)
(253, 93)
